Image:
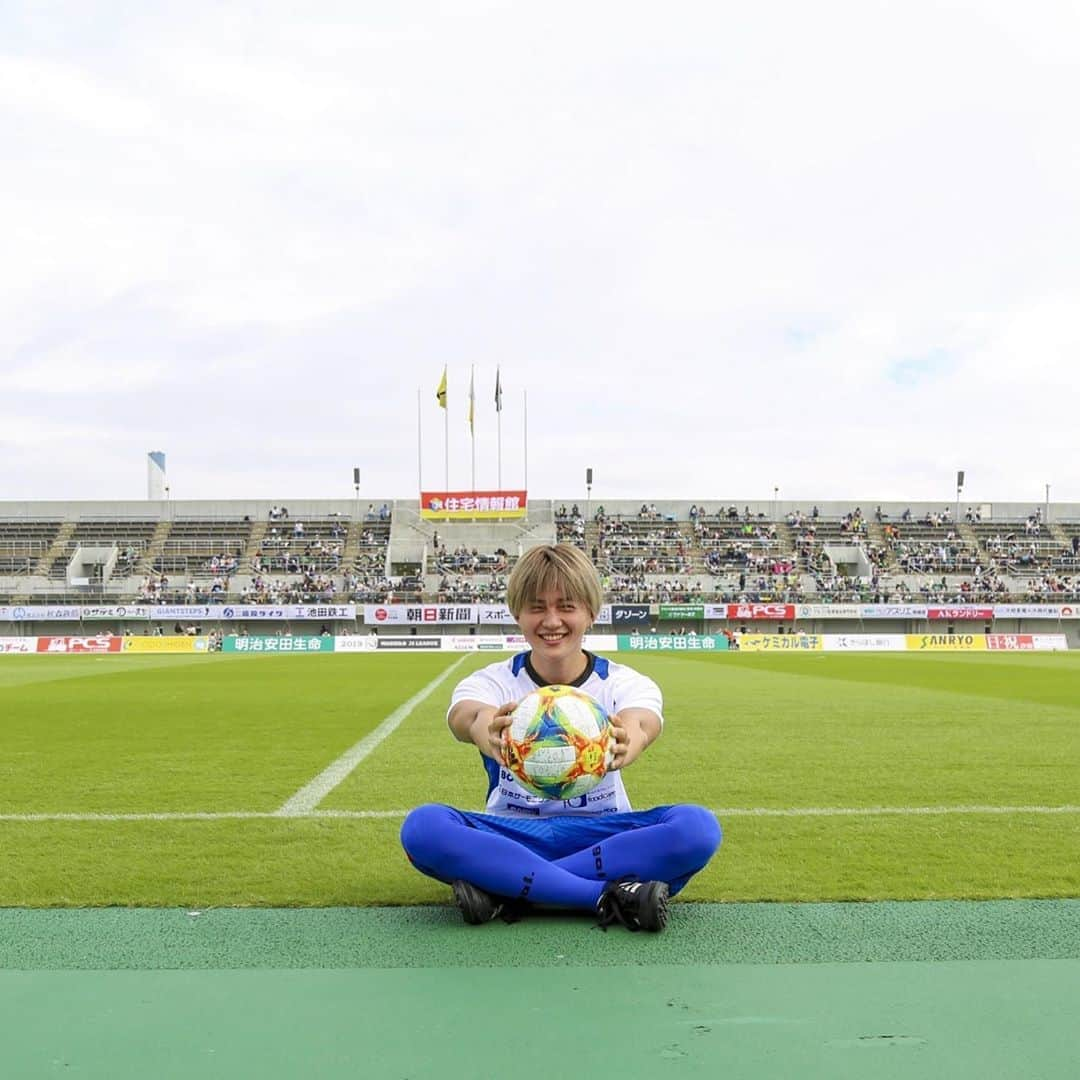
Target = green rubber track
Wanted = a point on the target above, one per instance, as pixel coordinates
(882, 990)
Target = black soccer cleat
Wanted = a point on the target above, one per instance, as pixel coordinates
(637, 905)
(476, 906)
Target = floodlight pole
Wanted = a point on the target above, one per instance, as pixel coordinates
(775, 503)
(588, 496)
(1046, 515)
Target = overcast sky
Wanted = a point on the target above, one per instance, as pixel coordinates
(829, 248)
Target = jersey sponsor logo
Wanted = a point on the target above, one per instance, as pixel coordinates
(510, 793)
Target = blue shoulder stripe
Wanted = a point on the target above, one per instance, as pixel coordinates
(602, 667)
(516, 664)
(492, 770)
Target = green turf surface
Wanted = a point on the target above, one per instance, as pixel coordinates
(112, 735)
(219, 733)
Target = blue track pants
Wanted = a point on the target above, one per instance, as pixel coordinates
(563, 860)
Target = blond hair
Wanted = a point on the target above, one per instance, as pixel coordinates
(559, 566)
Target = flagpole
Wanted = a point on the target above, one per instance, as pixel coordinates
(498, 425)
(525, 429)
(472, 422)
(442, 396)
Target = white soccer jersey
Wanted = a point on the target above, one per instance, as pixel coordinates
(613, 685)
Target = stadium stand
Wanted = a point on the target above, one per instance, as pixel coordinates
(24, 546)
(647, 552)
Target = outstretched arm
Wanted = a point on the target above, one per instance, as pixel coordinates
(635, 730)
(481, 724)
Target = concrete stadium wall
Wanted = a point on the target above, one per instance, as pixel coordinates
(539, 509)
(178, 509)
(829, 509)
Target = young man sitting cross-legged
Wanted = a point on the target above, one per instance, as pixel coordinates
(593, 853)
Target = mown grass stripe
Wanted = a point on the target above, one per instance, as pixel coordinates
(313, 793)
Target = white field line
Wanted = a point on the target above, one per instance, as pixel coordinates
(726, 812)
(313, 793)
(195, 815)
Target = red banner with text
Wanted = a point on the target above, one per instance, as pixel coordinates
(99, 643)
(1011, 642)
(761, 611)
(470, 505)
(951, 613)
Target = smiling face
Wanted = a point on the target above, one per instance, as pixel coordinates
(554, 594)
(554, 625)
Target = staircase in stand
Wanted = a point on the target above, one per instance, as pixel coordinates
(56, 549)
(155, 548)
(255, 539)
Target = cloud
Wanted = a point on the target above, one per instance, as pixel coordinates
(921, 370)
(66, 98)
(830, 249)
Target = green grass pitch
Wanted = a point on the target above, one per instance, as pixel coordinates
(111, 736)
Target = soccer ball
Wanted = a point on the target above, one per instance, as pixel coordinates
(559, 743)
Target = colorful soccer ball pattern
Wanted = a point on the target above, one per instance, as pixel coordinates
(559, 743)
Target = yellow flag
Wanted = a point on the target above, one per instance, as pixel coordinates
(441, 392)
